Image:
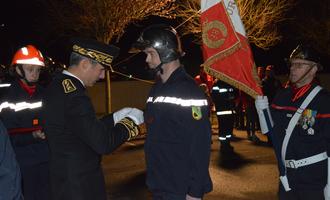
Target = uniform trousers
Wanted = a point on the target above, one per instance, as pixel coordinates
(301, 194)
(159, 195)
(35, 180)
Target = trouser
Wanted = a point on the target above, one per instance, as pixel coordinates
(251, 120)
(159, 195)
(35, 180)
(226, 125)
(300, 194)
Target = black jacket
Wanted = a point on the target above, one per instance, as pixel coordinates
(20, 124)
(178, 140)
(223, 96)
(77, 140)
(304, 143)
(10, 181)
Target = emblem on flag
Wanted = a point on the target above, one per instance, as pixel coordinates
(226, 51)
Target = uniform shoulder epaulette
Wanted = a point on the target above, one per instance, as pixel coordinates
(68, 86)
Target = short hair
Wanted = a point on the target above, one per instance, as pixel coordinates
(76, 58)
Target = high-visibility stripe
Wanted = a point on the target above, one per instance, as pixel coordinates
(178, 101)
(228, 136)
(226, 112)
(5, 85)
(222, 138)
(222, 90)
(20, 105)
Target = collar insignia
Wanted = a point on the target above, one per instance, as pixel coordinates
(68, 86)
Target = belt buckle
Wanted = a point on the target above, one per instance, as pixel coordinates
(292, 164)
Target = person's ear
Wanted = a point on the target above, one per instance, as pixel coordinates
(314, 70)
(84, 64)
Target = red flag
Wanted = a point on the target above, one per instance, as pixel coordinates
(226, 51)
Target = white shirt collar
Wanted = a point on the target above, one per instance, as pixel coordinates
(70, 74)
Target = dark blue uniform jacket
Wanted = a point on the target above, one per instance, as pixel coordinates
(178, 140)
(10, 178)
(310, 136)
(29, 150)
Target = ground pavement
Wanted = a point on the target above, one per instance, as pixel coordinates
(249, 173)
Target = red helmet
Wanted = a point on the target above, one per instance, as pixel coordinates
(28, 55)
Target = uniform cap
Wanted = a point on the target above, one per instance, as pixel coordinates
(306, 52)
(100, 52)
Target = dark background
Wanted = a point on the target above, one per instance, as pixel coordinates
(26, 22)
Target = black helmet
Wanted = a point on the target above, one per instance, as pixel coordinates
(306, 52)
(164, 39)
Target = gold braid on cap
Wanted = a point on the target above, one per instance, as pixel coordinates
(100, 57)
(132, 128)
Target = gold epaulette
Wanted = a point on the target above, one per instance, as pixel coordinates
(132, 128)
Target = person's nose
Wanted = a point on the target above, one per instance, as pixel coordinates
(35, 75)
(147, 59)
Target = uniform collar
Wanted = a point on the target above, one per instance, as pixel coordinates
(297, 93)
(180, 71)
(29, 89)
(70, 74)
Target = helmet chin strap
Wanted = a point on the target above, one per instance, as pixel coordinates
(20, 68)
(303, 76)
(157, 69)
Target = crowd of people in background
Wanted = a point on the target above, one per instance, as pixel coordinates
(51, 141)
(234, 108)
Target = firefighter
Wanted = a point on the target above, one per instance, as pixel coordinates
(21, 114)
(301, 123)
(178, 141)
(223, 96)
(77, 138)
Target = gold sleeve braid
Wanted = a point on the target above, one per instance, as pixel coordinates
(132, 128)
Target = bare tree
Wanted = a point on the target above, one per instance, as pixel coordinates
(313, 25)
(260, 19)
(103, 19)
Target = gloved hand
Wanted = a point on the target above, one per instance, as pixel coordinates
(120, 114)
(265, 118)
(188, 197)
(327, 192)
(136, 115)
(327, 187)
(285, 183)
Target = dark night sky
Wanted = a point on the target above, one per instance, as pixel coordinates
(24, 22)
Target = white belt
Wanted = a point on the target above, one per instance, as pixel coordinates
(306, 161)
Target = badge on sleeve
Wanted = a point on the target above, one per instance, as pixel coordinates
(68, 86)
(196, 112)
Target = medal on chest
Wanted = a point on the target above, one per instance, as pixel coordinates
(307, 120)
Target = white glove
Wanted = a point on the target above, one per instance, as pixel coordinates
(120, 114)
(136, 115)
(327, 192)
(327, 187)
(262, 107)
(285, 183)
(188, 197)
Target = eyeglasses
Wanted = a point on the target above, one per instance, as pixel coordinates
(300, 65)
